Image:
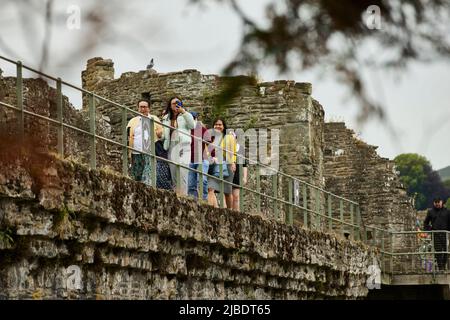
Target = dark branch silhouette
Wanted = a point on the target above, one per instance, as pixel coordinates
(48, 36)
(331, 33)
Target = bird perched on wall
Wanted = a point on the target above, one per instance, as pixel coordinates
(150, 65)
(149, 70)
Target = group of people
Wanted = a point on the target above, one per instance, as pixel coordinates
(438, 219)
(186, 142)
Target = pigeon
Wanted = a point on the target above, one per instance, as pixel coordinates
(150, 65)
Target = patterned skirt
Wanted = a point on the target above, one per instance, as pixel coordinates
(163, 177)
(140, 168)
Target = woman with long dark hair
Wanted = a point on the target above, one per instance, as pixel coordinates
(227, 142)
(177, 140)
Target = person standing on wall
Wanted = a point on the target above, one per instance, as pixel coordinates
(240, 153)
(225, 155)
(163, 177)
(197, 160)
(177, 141)
(140, 168)
(438, 219)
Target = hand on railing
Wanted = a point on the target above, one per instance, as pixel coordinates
(159, 132)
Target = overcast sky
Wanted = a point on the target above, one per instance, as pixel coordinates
(179, 36)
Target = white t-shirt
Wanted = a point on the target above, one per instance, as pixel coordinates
(137, 142)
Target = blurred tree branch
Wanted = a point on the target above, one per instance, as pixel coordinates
(47, 36)
(99, 21)
(329, 33)
(298, 35)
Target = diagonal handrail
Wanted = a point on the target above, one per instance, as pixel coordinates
(388, 254)
(358, 227)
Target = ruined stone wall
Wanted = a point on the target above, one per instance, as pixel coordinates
(69, 232)
(354, 170)
(37, 97)
(40, 98)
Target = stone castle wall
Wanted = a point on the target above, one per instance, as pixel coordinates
(40, 97)
(354, 170)
(69, 232)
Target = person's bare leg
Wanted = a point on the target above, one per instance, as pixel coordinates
(229, 200)
(212, 200)
(224, 201)
(236, 199)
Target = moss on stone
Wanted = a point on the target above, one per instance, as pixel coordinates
(6, 237)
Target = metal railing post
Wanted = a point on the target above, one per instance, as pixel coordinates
(352, 228)
(433, 252)
(59, 115)
(241, 189)
(221, 193)
(330, 213)
(178, 176)
(258, 188)
(19, 98)
(318, 211)
(374, 235)
(93, 156)
(392, 252)
(289, 217)
(414, 257)
(275, 195)
(446, 250)
(305, 206)
(358, 221)
(365, 235)
(153, 153)
(200, 180)
(341, 212)
(125, 151)
(383, 251)
(312, 221)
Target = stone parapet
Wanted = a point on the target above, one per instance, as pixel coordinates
(82, 234)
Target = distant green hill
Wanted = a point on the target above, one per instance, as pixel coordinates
(444, 173)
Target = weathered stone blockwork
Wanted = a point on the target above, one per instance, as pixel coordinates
(135, 242)
(353, 170)
(41, 97)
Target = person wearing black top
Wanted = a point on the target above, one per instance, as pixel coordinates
(236, 185)
(438, 218)
(163, 176)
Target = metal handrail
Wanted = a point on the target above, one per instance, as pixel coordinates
(154, 158)
(168, 126)
(357, 229)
